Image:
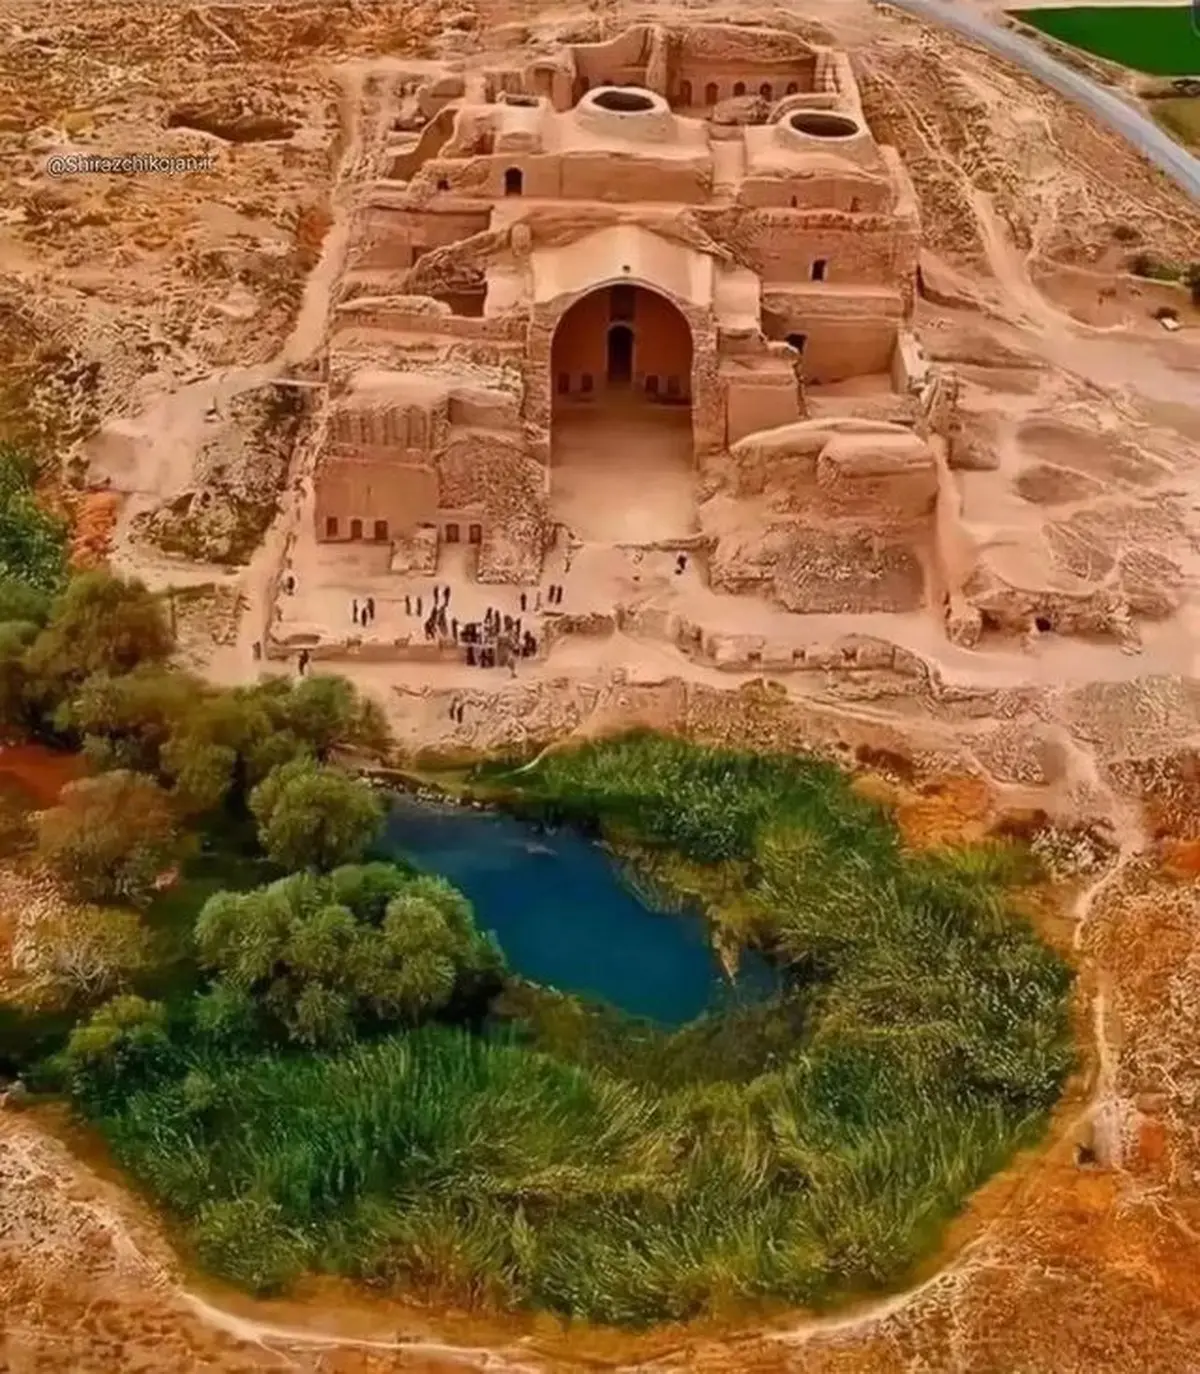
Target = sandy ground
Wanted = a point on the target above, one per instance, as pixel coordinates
(1092, 414)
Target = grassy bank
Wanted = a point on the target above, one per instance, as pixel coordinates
(599, 1168)
(1158, 40)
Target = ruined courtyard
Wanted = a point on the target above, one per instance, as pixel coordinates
(655, 322)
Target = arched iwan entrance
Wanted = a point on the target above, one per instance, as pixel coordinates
(623, 342)
(621, 446)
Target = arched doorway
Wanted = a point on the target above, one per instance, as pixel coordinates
(625, 343)
(620, 355)
(621, 446)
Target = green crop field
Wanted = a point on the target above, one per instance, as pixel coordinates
(1159, 40)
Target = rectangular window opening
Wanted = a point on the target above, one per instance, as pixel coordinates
(620, 302)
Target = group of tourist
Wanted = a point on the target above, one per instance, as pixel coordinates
(362, 613)
(498, 641)
(554, 596)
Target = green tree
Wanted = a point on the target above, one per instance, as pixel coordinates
(21, 601)
(33, 541)
(110, 837)
(327, 713)
(100, 624)
(322, 955)
(313, 816)
(126, 721)
(231, 740)
(122, 1044)
(16, 711)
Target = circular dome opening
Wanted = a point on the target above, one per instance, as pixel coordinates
(822, 124)
(623, 102)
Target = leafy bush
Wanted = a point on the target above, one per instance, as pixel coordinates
(121, 1048)
(311, 815)
(110, 837)
(85, 955)
(100, 624)
(32, 540)
(319, 957)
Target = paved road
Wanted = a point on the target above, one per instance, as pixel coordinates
(1141, 131)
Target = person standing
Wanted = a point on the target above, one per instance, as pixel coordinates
(407, 605)
(354, 610)
(524, 599)
(370, 608)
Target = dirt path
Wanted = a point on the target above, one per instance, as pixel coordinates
(257, 583)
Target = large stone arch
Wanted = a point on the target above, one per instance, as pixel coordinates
(703, 387)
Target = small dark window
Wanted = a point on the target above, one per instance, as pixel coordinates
(765, 90)
(712, 93)
(685, 94)
(452, 534)
(331, 527)
(355, 529)
(381, 531)
(793, 202)
(1044, 624)
(475, 534)
(585, 382)
(740, 88)
(513, 181)
(798, 341)
(672, 386)
(652, 385)
(818, 269)
(620, 302)
(792, 88)
(443, 184)
(564, 383)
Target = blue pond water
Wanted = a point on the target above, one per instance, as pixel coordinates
(564, 916)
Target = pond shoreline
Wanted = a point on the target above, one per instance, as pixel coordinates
(574, 911)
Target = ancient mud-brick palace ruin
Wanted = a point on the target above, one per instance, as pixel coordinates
(683, 246)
